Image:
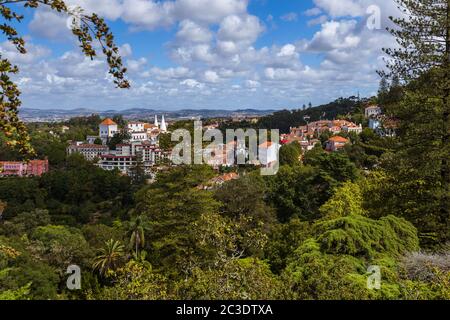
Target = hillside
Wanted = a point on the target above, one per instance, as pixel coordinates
(286, 119)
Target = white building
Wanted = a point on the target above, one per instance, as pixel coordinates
(107, 129)
(126, 156)
(372, 111)
(112, 161)
(358, 129)
(89, 151)
(136, 127)
(138, 136)
(163, 127)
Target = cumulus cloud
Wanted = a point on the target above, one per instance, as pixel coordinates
(240, 29)
(211, 76)
(214, 58)
(319, 20)
(335, 35)
(287, 51)
(34, 53)
(341, 8)
(193, 33)
(192, 83)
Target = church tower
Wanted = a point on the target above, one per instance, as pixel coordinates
(156, 121)
(163, 125)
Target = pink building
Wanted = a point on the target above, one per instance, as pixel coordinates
(21, 169)
(37, 167)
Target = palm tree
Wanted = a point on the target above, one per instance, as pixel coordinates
(110, 257)
(137, 231)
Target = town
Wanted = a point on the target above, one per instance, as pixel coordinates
(141, 144)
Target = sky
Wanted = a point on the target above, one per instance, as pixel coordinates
(207, 54)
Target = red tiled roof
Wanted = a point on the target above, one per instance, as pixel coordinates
(108, 122)
(339, 139)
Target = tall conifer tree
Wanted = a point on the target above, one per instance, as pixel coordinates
(422, 62)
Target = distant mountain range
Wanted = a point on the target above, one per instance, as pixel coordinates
(30, 114)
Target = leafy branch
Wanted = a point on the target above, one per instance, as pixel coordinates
(87, 28)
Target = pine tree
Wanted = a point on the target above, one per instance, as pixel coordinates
(384, 86)
(422, 64)
(137, 172)
(383, 90)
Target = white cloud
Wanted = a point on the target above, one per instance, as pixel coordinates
(313, 12)
(334, 35)
(341, 8)
(289, 17)
(192, 32)
(237, 28)
(170, 73)
(192, 83)
(209, 11)
(136, 65)
(287, 51)
(252, 84)
(125, 50)
(319, 20)
(211, 76)
(216, 60)
(46, 23)
(34, 52)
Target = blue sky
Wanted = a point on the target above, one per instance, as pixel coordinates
(227, 54)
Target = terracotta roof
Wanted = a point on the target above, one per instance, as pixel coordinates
(225, 177)
(108, 122)
(339, 139)
(230, 176)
